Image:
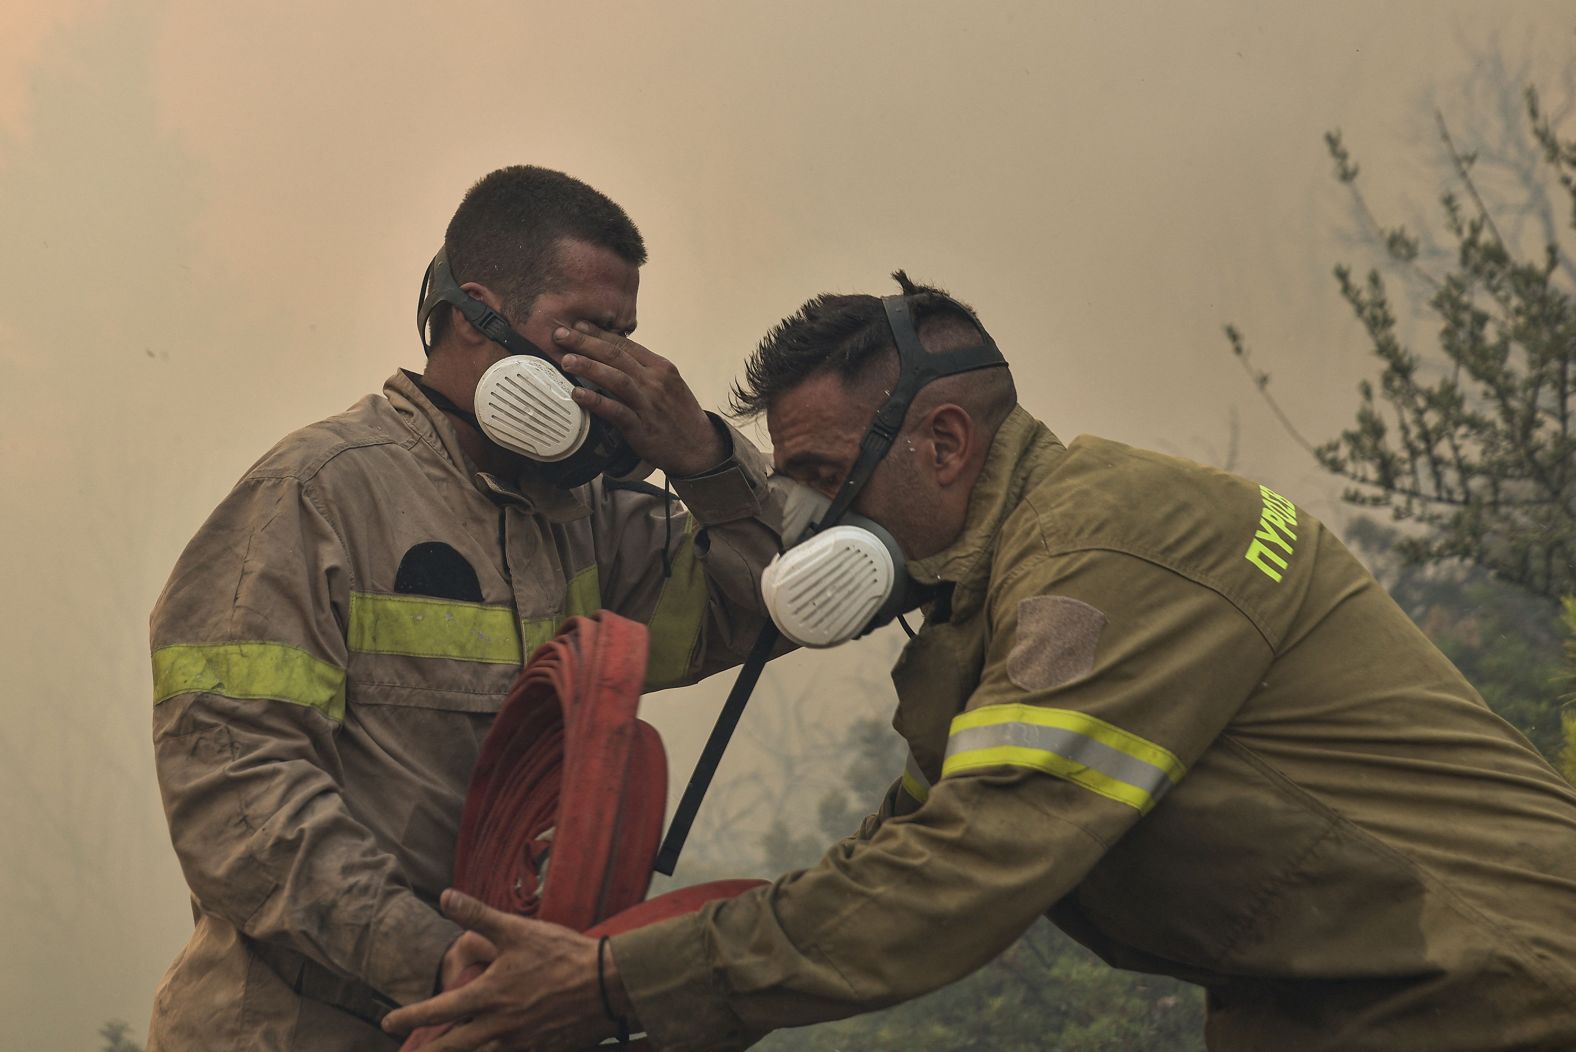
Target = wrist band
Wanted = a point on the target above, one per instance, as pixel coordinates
(607, 1003)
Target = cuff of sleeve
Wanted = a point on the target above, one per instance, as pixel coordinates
(408, 943)
(665, 971)
(734, 489)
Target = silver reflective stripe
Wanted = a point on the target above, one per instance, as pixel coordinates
(1078, 748)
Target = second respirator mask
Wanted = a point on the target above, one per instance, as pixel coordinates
(524, 401)
(838, 582)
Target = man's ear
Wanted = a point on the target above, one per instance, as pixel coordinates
(953, 437)
(463, 330)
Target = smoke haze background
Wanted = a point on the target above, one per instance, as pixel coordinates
(215, 219)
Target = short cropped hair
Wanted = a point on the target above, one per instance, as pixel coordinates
(842, 333)
(505, 234)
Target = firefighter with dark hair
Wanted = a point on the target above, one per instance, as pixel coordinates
(1161, 704)
(336, 640)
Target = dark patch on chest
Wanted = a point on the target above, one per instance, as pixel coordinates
(433, 568)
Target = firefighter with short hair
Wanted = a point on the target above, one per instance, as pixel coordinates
(334, 643)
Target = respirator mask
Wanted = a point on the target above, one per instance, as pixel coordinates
(843, 574)
(836, 582)
(523, 402)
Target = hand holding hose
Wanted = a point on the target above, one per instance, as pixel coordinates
(540, 993)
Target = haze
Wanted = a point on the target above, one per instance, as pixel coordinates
(215, 218)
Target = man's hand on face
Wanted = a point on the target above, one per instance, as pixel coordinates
(539, 993)
(646, 399)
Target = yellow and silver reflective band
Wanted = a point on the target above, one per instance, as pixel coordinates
(583, 597)
(1072, 745)
(677, 618)
(915, 784)
(421, 626)
(245, 671)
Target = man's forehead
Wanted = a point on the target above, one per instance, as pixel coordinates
(598, 284)
(820, 415)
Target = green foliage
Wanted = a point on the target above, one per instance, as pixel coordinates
(1472, 441)
(115, 1038)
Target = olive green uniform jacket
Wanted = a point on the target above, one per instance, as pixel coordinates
(1167, 708)
(328, 655)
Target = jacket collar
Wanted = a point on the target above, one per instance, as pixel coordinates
(433, 428)
(1021, 448)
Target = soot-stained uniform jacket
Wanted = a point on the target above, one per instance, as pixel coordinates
(328, 655)
(1167, 707)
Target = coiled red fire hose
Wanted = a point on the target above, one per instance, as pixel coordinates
(564, 813)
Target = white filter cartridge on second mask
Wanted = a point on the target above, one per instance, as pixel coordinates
(826, 590)
(524, 404)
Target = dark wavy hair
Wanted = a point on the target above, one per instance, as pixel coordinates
(832, 331)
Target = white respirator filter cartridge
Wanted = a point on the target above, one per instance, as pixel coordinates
(826, 590)
(524, 404)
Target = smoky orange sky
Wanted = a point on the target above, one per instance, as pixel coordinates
(215, 217)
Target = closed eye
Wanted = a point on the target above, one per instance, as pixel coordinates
(822, 476)
(611, 325)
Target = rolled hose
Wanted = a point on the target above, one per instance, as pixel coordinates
(563, 816)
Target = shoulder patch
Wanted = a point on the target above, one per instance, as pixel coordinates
(1056, 641)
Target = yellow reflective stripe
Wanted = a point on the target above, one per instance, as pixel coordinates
(583, 596)
(245, 671)
(1050, 763)
(677, 618)
(585, 593)
(1072, 745)
(538, 631)
(1091, 726)
(421, 626)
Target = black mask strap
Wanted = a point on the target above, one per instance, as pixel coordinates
(716, 745)
(439, 287)
(916, 368)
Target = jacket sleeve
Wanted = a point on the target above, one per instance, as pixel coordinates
(1105, 676)
(249, 662)
(702, 602)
